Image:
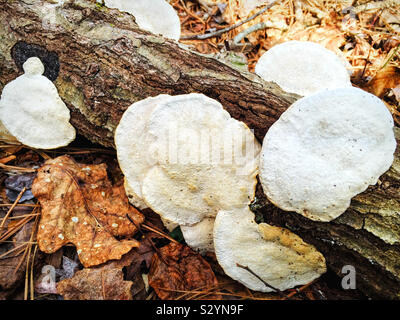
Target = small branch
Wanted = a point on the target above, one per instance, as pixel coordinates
(265, 283)
(12, 208)
(222, 31)
(376, 5)
(253, 28)
(157, 251)
(145, 226)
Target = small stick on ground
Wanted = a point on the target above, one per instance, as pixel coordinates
(300, 289)
(151, 242)
(7, 159)
(266, 284)
(16, 169)
(11, 209)
(145, 226)
(227, 29)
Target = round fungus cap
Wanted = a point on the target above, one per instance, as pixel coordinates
(156, 16)
(303, 67)
(180, 152)
(325, 149)
(276, 255)
(32, 111)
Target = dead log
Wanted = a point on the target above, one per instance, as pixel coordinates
(101, 63)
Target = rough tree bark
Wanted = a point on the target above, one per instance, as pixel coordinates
(101, 63)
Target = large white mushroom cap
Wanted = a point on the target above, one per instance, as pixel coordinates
(156, 16)
(186, 158)
(325, 149)
(32, 111)
(274, 254)
(303, 67)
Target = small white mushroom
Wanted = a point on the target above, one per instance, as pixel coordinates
(156, 16)
(303, 67)
(200, 235)
(177, 151)
(325, 149)
(32, 111)
(276, 255)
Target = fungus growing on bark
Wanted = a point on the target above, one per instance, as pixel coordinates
(303, 67)
(32, 111)
(276, 255)
(324, 150)
(180, 152)
(156, 16)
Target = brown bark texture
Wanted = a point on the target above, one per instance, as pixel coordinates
(101, 63)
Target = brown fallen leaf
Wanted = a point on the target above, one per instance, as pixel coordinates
(96, 284)
(181, 270)
(386, 79)
(13, 265)
(81, 206)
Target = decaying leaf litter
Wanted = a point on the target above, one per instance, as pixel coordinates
(366, 35)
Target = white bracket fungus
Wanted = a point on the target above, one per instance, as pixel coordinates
(186, 158)
(325, 149)
(5, 135)
(32, 111)
(200, 235)
(274, 254)
(303, 67)
(156, 16)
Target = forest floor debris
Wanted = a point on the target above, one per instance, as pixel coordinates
(366, 35)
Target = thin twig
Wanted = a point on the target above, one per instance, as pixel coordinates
(17, 226)
(11, 209)
(227, 29)
(12, 250)
(7, 159)
(263, 281)
(151, 241)
(32, 267)
(253, 28)
(391, 56)
(16, 169)
(300, 289)
(20, 205)
(145, 226)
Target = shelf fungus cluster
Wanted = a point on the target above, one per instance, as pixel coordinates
(156, 16)
(32, 112)
(188, 160)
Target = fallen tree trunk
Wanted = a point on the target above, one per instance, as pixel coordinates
(101, 63)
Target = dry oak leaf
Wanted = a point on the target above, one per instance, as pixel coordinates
(81, 206)
(96, 284)
(181, 270)
(11, 276)
(386, 79)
